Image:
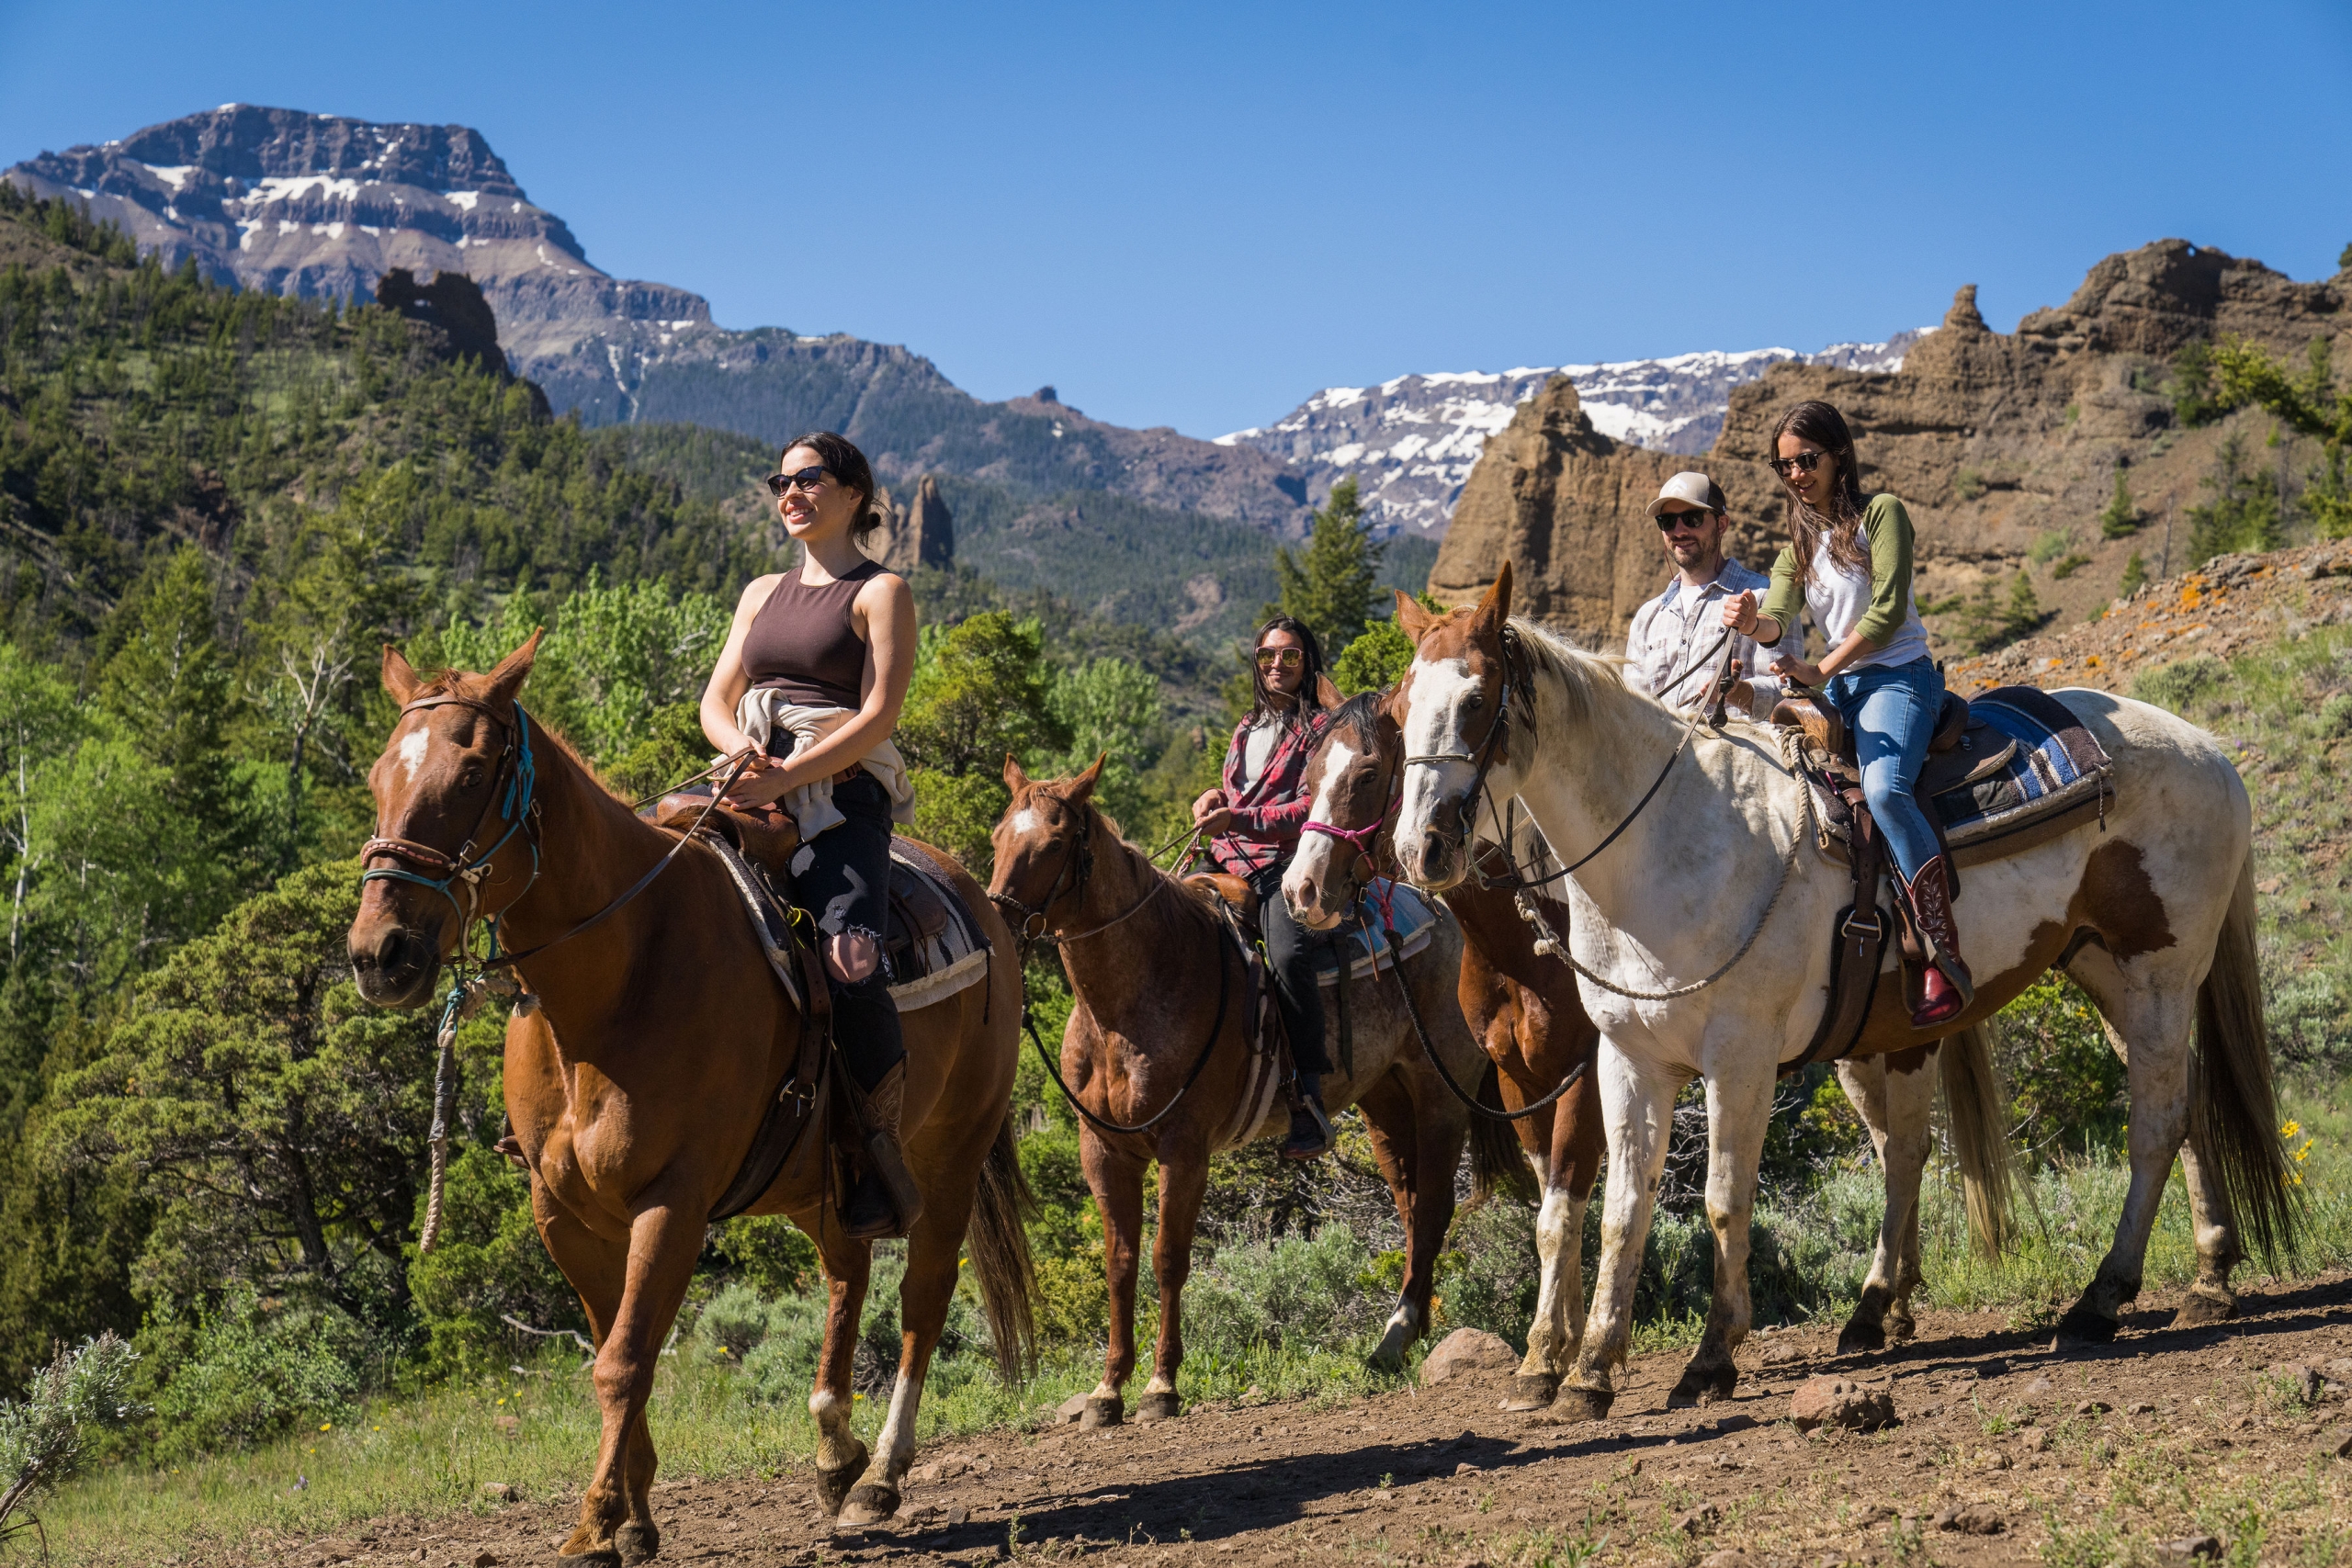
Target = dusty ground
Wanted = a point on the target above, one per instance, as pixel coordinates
(2079, 1460)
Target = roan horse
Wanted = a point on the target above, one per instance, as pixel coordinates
(1159, 1040)
(1524, 1007)
(2151, 910)
(642, 1057)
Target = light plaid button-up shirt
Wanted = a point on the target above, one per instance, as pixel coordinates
(1682, 623)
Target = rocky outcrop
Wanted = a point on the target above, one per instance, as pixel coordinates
(2004, 446)
(452, 302)
(920, 534)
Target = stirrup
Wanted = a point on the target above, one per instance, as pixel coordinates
(1293, 1148)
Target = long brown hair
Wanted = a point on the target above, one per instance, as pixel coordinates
(1310, 700)
(1822, 424)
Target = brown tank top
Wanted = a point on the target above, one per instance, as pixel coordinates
(801, 643)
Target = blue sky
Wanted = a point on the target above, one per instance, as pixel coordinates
(1196, 216)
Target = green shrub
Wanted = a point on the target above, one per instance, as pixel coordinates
(2122, 513)
(2135, 576)
(2068, 567)
(489, 1264)
(2049, 548)
(2066, 1084)
(249, 1370)
(769, 1254)
(2178, 684)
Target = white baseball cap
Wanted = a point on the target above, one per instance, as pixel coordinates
(1691, 489)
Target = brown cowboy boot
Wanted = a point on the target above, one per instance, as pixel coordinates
(1949, 986)
(886, 1201)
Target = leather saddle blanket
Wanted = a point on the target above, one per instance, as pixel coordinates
(1361, 942)
(2023, 770)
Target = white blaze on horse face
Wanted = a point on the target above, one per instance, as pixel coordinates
(1313, 864)
(413, 749)
(1432, 727)
(1024, 820)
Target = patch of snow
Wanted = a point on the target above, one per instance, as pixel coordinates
(369, 228)
(464, 198)
(171, 174)
(332, 231)
(286, 187)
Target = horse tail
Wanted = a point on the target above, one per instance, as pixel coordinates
(997, 1244)
(1497, 1162)
(2232, 1105)
(1977, 1104)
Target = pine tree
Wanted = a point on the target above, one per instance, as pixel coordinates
(2135, 576)
(2122, 515)
(1332, 589)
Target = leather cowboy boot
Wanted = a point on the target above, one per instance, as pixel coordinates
(886, 1201)
(1949, 986)
(1310, 1129)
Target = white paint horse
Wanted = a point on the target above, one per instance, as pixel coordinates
(1524, 1008)
(2150, 910)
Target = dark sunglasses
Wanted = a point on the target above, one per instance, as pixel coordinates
(1667, 522)
(807, 479)
(1804, 462)
(1282, 657)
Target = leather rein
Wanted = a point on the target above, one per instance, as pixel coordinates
(1365, 841)
(1077, 869)
(514, 791)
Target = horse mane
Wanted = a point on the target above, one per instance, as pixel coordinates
(468, 683)
(1579, 677)
(1360, 712)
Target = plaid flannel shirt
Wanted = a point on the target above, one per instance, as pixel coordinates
(1269, 813)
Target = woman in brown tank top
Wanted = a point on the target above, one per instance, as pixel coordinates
(835, 632)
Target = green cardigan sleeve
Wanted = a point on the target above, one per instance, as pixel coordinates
(1784, 601)
(1889, 527)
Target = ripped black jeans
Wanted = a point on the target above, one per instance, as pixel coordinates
(842, 878)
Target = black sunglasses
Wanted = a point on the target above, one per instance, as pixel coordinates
(1805, 462)
(1667, 522)
(807, 479)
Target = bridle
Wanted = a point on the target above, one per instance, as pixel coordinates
(518, 808)
(1710, 709)
(1364, 840)
(1077, 869)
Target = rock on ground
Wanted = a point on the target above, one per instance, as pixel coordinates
(1467, 1351)
(1838, 1402)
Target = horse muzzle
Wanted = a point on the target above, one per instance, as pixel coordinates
(1312, 898)
(395, 967)
(1434, 860)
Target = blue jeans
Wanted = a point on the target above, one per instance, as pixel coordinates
(1892, 711)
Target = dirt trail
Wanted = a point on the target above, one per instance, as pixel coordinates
(2154, 1432)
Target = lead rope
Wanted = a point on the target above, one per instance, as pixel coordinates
(465, 998)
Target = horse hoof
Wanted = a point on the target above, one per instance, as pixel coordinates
(1860, 1337)
(1532, 1391)
(833, 1485)
(2081, 1326)
(2204, 1307)
(637, 1541)
(587, 1556)
(1585, 1403)
(1902, 1327)
(1161, 1406)
(1101, 1410)
(869, 1504)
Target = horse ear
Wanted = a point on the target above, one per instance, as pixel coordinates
(401, 677)
(1083, 787)
(1411, 618)
(1495, 608)
(1015, 779)
(506, 680)
(1327, 695)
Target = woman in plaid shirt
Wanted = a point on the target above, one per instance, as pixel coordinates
(1252, 826)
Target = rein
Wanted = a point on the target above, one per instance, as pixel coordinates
(519, 809)
(1077, 856)
(1365, 841)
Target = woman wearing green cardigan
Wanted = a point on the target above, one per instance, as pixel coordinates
(1850, 565)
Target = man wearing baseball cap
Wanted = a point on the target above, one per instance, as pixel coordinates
(1675, 630)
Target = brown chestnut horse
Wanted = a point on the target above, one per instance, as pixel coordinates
(1524, 1007)
(1162, 1033)
(643, 1056)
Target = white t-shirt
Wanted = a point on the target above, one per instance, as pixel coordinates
(1258, 747)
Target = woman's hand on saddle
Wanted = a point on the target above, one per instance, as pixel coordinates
(1805, 672)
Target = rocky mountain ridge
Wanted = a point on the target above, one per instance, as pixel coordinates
(2004, 446)
(1412, 441)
